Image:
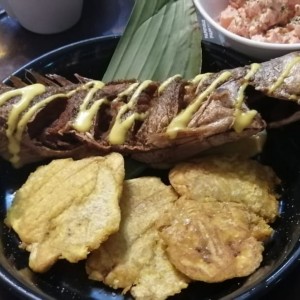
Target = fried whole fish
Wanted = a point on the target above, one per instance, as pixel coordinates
(150, 121)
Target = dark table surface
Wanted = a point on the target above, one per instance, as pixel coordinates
(19, 46)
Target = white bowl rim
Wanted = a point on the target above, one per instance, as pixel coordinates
(243, 40)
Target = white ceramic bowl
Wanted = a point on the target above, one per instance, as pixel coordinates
(210, 11)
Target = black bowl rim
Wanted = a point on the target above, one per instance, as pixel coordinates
(61, 50)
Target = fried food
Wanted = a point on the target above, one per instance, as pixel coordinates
(216, 230)
(213, 241)
(153, 122)
(141, 235)
(68, 208)
(228, 179)
(133, 258)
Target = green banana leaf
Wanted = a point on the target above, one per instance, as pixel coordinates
(162, 39)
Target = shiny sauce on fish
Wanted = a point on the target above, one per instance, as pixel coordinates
(84, 119)
(21, 113)
(182, 120)
(23, 110)
(120, 128)
(244, 119)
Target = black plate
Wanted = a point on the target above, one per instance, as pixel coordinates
(69, 281)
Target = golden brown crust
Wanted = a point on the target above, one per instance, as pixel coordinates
(67, 209)
(213, 242)
(134, 258)
(229, 179)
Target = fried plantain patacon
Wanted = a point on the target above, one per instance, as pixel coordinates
(218, 227)
(68, 208)
(134, 258)
(229, 179)
(213, 241)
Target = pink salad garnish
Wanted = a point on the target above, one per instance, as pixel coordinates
(273, 21)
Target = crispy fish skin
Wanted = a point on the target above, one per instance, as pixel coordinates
(213, 241)
(282, 74)
(30, 149)
(168, 121)
(134, 119)
(228, 179)
(133, 258)
(67, 209)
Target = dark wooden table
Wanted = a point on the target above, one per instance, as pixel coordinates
(18, 46)
(100, 17)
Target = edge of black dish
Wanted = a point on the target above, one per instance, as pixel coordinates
(92, 57)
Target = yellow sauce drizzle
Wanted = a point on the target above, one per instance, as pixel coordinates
(16, 125)
(84, 119)
(27, 94)
(284, 74)
(199, 78)
(183, 118)
(119, 131)
(129, 90)
(14, 146)
(244, 119)
(164, 85)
